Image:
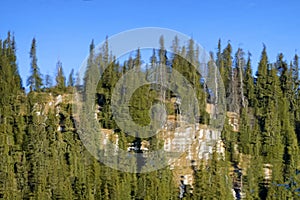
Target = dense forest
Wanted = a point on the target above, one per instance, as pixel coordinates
(42, 155)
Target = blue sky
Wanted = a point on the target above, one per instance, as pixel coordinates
(64, 28)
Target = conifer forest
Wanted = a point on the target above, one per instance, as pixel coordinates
(256, 155)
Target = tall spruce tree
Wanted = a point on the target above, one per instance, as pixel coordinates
(249, 83)
(71, 80)
(34, 81)
(60, 78)
(227, 74)
(261, 90)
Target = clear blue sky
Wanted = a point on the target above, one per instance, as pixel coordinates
(65, 28)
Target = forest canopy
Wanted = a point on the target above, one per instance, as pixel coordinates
(42, 155)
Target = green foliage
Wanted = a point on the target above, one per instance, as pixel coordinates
(71, 81)
(249, 83)
(42, 156)
(60, 78)
(34, 81)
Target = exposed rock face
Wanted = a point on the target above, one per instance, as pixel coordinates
(59, 100)
(233, 120)
(196, 142)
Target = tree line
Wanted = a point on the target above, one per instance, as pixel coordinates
(40, 161)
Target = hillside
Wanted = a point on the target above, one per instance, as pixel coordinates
(127, 137)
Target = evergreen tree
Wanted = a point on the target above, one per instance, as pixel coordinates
(261, 91)
(60, 78)
(71, 78)
(236, 99)
(34, 81)
(220, 63)
(11, 123)
(249, 83)
(227, 74)
(48, 81)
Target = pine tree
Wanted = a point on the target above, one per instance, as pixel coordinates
(261, 91)
(71, 78)
(236, 99)
(48, 81)
(220, 63)
(227, 75)
(249, 83)
(11, 124)
(60, 78)
(296, 83)
(200, 184)
(34, 81)
(245, 132)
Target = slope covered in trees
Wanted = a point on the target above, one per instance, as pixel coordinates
(42, 156)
